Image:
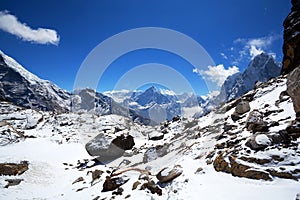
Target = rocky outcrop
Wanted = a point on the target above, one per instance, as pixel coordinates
(19, 86)
(291, 54)
(238, 169)
(262, 68)
(291, 46)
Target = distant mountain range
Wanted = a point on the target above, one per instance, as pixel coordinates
(149, 107)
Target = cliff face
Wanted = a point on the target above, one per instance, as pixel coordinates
(291, 51)
(291, 46)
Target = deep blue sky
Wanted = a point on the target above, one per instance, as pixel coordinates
(219, 26)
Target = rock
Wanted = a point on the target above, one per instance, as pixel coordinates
(108, 148)
(255, 123)
(154, 152)
(242, 107)
(293, 87)
(240, 170)
(78, 180)
(135, 185)
(111, 184)
(12, 169)
(118, 192)
(291, 45)
(13, 182)
(125, 142)
(199, 170)
(294, 130)
(152, 187)
(258, 142)
(221, 165)
(286, 175)
(155, 135)
(282, 137)
(169, 173)
(96, 175)
(298, 196)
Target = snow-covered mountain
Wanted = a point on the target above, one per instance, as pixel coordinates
(244, 148)
(22, 88)
(260, 69)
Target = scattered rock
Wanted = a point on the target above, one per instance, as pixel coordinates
(13, 182)
(12, 169)
(168, 174)
(80, 189)
(135, 185)
(118, 192)
(200, 169)
(96, 175)
(152, 187)
(78, 180)
(111, 184)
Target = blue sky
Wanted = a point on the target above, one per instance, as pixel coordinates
(230, 31)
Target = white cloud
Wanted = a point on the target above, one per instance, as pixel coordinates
(10, 24)
(216, 74)
(255, 46)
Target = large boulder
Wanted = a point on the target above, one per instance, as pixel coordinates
(241, 108)
(258, 142)
(169, 173)
(108, 148)
(255, 122)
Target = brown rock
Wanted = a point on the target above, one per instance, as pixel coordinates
(240, 170)
(152, 187)
(111, 184)
(168, 174)
(13, 169)
(221, 165)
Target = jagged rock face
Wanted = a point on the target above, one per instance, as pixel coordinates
(291, 51)
(24, 89)
(261, 68)
(291, 46)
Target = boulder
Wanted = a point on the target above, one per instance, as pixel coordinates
(255, 122)
(108, 148)
(111, 184)
(155, 135)
(241, 108)
(13, 169)
(258, 142)
(169, 173)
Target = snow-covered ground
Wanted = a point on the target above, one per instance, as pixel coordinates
(57, 156)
